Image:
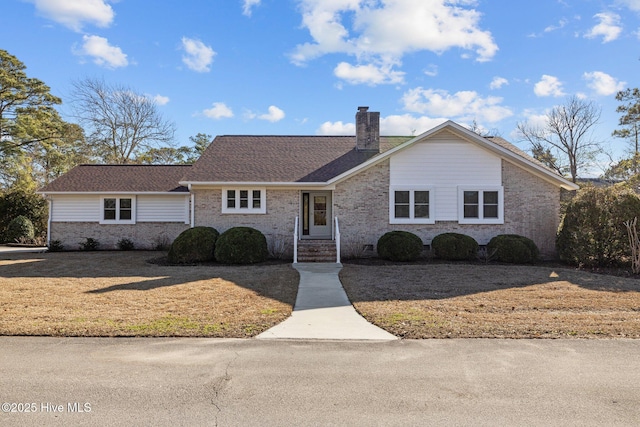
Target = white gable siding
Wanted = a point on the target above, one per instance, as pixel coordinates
(445, 162)
(75, 208)
(163, 209)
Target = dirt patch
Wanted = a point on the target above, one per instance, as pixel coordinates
(121, 294)
(433, 300)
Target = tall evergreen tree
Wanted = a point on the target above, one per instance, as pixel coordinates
(629, 123)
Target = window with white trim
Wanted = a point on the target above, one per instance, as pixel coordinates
(244, 200)
(411, 205)
(118, 210)
(480, 205)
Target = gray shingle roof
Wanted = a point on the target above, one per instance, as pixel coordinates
(247, 158)
(120, 178)
(242, 158)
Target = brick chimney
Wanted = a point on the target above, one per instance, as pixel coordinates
(367, 130)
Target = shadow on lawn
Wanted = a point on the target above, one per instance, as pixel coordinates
(278, 281)
(438, 281)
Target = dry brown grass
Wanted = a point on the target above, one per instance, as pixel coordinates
(493, 301)
(121, 294)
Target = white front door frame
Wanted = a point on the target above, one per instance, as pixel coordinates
(316, 214)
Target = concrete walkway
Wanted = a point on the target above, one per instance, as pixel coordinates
(21, 249)
(323, 311)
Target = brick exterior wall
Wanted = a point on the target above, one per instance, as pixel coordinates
(277, 224)
(144, 235)
(532, 209)
(361, 203)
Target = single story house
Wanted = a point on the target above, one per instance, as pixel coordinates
(297, 189)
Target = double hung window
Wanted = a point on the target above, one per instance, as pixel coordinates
(118, 210)
(250, 200)
(411, 205)
(480, 206)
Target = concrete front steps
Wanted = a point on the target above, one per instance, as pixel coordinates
(317, 251)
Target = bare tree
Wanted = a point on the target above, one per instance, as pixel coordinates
(566, 136)
(120, 123)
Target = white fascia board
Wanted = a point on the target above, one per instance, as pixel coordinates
(101, 193)
(238, 184)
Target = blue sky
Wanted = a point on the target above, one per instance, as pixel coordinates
(304, 66)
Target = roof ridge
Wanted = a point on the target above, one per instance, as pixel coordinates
(132, 164)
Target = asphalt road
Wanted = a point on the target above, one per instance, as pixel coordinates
(192, 382)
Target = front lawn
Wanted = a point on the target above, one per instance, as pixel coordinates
(121, 294)
(457, 300)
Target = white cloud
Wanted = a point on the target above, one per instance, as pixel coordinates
(463, 105)
(248, 5)
(198, 56)
(274, 115)
(406, 124)
(548, 86)
(609, 27)
(498, 82)
(218, 111)
(400, 125)
(160, 99)
(631, 4)
(102, 52)
(535, 119)
(431, 70)
(336, 128)
(603, 83)
(75, 14)
(383, 32)
(561, 24)
(367, 74)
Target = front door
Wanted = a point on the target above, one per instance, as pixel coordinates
(316, 215)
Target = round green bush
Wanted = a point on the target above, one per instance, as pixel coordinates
(126, 244)
(399, 246)
(19, 228)
(241, 245)
(454, 246)
(514, 249)
(56, 246)
(196, 244)
(592, 232)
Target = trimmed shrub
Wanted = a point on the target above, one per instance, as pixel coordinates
(161, 243)
(592, 232)
(241, 245)
(399, 246)
(125, 245)
(454, 246)
(25, 203)
(20, 228)
(90, 244)
(56, 246)
(196, 244)
(514, 249)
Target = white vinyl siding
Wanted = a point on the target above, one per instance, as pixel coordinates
(76, 208)
(163, 209)
(445, 162)
(148, 208)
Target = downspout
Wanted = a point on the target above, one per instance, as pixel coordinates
(49, 219)
(192, 213)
